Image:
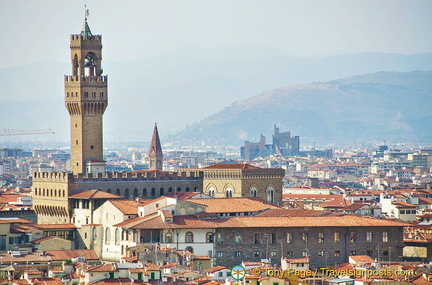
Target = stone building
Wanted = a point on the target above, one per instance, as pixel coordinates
(325, 240)
(243, 180)
(86, 99)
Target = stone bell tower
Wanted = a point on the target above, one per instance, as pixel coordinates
(86, 99)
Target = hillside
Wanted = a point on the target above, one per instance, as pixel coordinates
(394, 106)
(179, 88)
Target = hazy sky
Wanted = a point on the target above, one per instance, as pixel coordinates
(34, 31)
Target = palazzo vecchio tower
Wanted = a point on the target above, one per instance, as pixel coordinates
(86, 99)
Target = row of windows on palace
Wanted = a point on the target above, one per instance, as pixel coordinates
(258, 238)
(136, 192)
(290, 253)
(86, 94)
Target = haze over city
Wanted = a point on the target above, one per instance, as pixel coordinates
(154, 51)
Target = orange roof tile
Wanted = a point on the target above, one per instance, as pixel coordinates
(94, 194)
(231, 166)
(216, 268)
(100, 268)
(59, 255)
(116, 281)
(14, 221)
(127, 207)
(57, 226)
(189, 222)
(233, 205)
(362, 259)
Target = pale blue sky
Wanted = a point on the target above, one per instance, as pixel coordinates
(34, 31)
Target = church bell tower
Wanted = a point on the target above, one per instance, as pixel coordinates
(86, 99)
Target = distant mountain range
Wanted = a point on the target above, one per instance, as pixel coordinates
(183, 87)
(373, 107)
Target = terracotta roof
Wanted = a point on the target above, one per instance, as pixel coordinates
(355, 206)
(362, 259)
(47, 281)
(31, 257)
(233, 205)
(400, 204)
(100, 268)
(138, 270)
(167, 214)
(94, 194)
(14, 221)
(152, 267)
(318, 197)
(6, 198)
(190, 222)
(182, 195)
(291, 213)
(24, 228)
(216, 268)
(231, 166)
(127, 207)
(170, 265)
(58, 255)
(136, 221)
(116, 281)
(42, 239)
(297, 260)
(57, 226)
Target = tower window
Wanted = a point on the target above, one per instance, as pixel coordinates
(93, 94)
(76, 142)
(101, 94)
(86, 94)
(77, 163)
(91, 147)
(76, 125)
(67, 94)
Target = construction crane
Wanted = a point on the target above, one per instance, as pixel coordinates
(13, 132)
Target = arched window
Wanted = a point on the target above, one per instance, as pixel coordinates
(170, 189)
(126, 195)
(270, 194)
(168, 237)
(145, 192)
(117, 236)
(190, 249)
(210, 237)
(187, 189)
(228, 192)
(135, 193)
(153, 192)
(189, 237)
(161, 191)
(109, 191)
(107, 235)
(211, 191)
(253, 192)
(178, 189)
(118, 192)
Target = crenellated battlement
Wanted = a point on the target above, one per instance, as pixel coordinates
(116, 176)
(79, 38)
(52, 176)
(84, 78)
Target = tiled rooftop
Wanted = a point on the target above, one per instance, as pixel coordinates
(94, 194)
(234, 205)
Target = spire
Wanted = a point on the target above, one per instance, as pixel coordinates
(155, 153)
(85, 31)
(155, 147)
